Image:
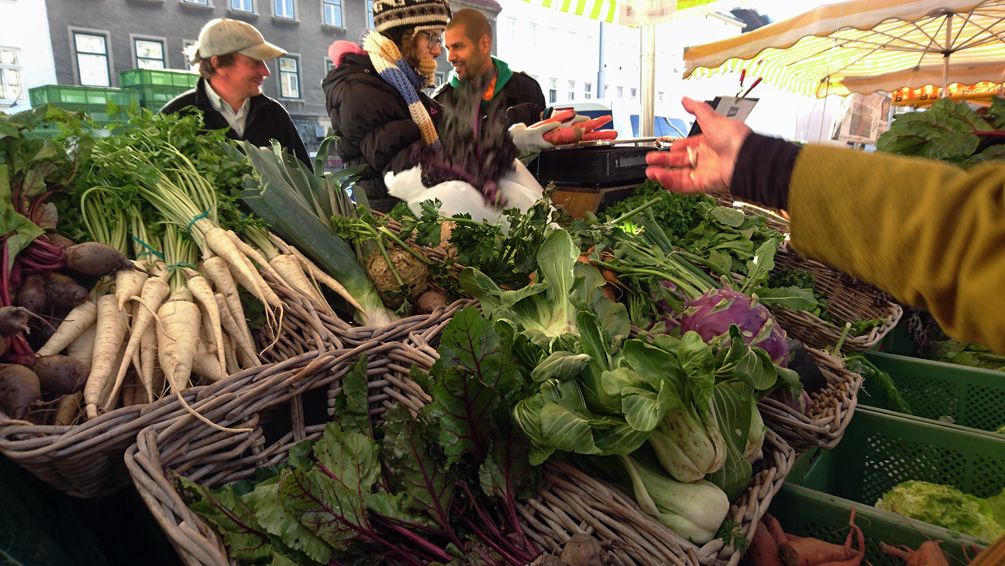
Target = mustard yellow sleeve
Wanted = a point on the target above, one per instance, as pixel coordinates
(928, 233)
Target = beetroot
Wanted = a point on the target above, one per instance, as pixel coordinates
(19, 388)
(711, 314)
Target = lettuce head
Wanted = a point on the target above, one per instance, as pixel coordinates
(944, 506)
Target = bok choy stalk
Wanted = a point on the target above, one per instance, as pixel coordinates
(283, 198)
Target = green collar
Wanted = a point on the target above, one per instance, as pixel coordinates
(503, 75)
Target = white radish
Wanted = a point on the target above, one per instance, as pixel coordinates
(83, 347)
(180, 322)
(155, 290)
(289, 268)
(128, 283)
(111, 329)
(79, 320)
(218, 272)
(242, 344)
(207, 364)
(202, 293)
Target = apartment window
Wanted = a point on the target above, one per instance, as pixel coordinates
(333, 12)
(284, 9)
(369, 13)
(438, 79)
(199, 2)
(242, 5)
(10, 75)
(572, 41)
(149, 54)
(660, 96)
(512, 30)
(587, 91)
(289, 77)
(552, 91)
(554, 39)
(572, 90)
(533, 34)
(185, 45)
(329, 65)
(621, 92)
(92, 59)
(634, 92)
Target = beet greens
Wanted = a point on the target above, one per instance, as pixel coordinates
(437, 487)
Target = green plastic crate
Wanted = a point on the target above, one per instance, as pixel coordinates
(881, 449)
(81, 97)
(807, 513)
(972, 397)
(158, 77)
(159, 95)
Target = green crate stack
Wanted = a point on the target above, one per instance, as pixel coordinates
(882, 449)
(807, 513)
(156, 87)
(92, 100)
(971, 397)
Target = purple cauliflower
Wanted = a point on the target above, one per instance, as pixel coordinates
(711, 314)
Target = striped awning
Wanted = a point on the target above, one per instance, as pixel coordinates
(611, 11)
(864, 46)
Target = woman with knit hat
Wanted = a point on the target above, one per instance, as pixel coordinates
(374, 94)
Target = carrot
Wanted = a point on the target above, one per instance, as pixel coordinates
(218, 272)
(128, 283)
(154, 292)
(590, 125)
(242, 344)
(775, 529)
(928, 554)
(560, 117)
(68, 408)
(111, 330)
(83, 347)
(853, 560)
(810, 551)
(180, 322)
(202, 293)
(80, 319)
(601, 135)
(564, 136)
(762, 550)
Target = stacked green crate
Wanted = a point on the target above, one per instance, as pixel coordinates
(93, 100)
(156, 87)
(962, 395)
(880, 450)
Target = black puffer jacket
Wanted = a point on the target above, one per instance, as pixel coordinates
(374, 126)
(267, 120)
(520, 98)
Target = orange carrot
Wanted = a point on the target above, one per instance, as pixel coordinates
(600, 135)
(928, 554)
(810, 551)
(564, 136)
(560, 117)
(590, 125)
(762, 550)
(773, 527)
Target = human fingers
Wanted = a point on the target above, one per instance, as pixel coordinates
(675, 157)
(579, 118)
(677, 180)
(546, 127)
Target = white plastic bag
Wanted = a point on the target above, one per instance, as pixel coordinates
(518, 188)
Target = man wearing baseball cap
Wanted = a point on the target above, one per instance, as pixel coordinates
(231, 56)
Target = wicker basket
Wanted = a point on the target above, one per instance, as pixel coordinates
(847, 299)
(774, 219)
(830, 411)
(214, 458)
(570, 502)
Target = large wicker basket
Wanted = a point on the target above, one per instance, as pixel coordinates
(85, 460)
(214, 458)
(571, 502)
(831, 408)
(847, 299)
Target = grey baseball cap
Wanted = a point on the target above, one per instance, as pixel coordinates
(222, 36)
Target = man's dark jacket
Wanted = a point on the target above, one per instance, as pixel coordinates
(267, 120)
(373, 125)
(516, 94)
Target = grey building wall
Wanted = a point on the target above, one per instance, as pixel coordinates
(177, 21)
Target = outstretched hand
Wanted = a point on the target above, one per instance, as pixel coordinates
(702, 163)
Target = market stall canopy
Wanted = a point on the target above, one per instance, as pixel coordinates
(630, 12)
(860, 38)
(961, 75)
(982, 92)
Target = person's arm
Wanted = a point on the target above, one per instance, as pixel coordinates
(373, 121)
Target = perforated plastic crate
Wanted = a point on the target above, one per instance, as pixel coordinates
(972, 397)
(158, 77)
(881, 449)
(808, 513)
(159, 95)
(81, 97)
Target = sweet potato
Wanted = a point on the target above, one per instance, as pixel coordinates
(19, 388)
(31, 294)
(63, 293)
(810, 551)
(762, 550)
(61, 375)
(94, 258)
(928, 554)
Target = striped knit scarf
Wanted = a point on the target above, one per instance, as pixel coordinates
(391, 67)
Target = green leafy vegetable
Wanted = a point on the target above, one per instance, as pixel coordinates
(944, 506)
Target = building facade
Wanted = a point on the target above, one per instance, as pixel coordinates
(25, 52)
(92, 40)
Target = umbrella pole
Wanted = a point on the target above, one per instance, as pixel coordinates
(648, 68)
(945, 56)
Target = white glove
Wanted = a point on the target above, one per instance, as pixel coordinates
(518, 189)
(531, 140)
(578, 119)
